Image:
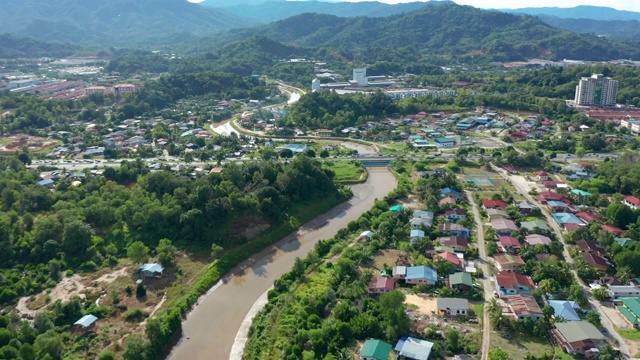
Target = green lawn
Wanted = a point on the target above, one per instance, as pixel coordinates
(347, 171)
(630, 334)
(518, 346)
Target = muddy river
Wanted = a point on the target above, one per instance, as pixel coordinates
(211, 328)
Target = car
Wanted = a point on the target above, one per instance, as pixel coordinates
(495, 294)
(476, 285)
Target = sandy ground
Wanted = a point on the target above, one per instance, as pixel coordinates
(426, 305)
(224, 128)
(67, 288)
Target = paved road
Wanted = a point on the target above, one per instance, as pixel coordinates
(595, 305)
(488, 285)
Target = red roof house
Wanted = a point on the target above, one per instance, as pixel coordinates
(509, 243)
(632, 202)
(588, 217)
(596, 261)
(494, 204)
(449, 257)
(381, 285)
(588, 246)
(612, 229)
(541, 175)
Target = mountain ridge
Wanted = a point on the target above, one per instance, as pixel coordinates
(113, 22)
(579, 12)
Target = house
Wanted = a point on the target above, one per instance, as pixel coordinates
(525, 207)
(399, 272)
(541, 176)
(588, 246)
(367, 234)
(494, 204)
(460, 281)
(455, 214)
(523, 306)
(578, 337)
(588, 217)
(621, 291)
(557, 206)
(535, 226)
(457, 243)
(454, 229)
(632, 202)
(508, 262)
(421, 275)
(381, 285)
(86, 322)
(503, 227)
(374, 349)
(510, 169)
(453, 306)
(48, 183)
(565, 309)
(323, 132)
(416, 235)
(511, 283)
(450, 192)
(546, 196)
(535, 239)
(397, 209)
(449, 257)
(447, 201)
(509, 244)
(630, 309)
(425, 216)
(566, 218)
(624, 242)
(445, 142)
(419, 223)
(151, 270)
(596, 261)
(612, 229)
(497, 214)
(412, 348)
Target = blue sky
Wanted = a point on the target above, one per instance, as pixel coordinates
(632, 5)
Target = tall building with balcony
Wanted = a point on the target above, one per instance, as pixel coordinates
(596, 90)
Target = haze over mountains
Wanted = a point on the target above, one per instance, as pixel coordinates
(437, 27)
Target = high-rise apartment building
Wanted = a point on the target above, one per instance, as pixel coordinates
(596, 90)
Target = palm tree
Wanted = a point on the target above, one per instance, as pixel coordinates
(624, 274)
(495, 312)
(344, 354)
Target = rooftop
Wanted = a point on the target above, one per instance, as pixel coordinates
(574, 331)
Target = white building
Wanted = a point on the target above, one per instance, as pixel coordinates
(360, 77)
(315, 85)
(596, 90)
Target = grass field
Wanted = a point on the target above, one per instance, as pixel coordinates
(518, 346)
(630, 334)
(347, 171)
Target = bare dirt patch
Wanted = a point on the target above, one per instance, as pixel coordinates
(66, 289)
(426, 305)
(389, 257)
(247, 228)
(9, 144)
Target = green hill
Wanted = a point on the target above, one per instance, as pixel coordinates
(277, 10)
(12, 46)
(579, 12)
(112, 22)
(442, 29)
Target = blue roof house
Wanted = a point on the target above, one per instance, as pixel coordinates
(412, 348)
(48, 183)
(450, 192)
(151, 270)
(421, 275)
(565, 309)
(416, 235)
(567, 218)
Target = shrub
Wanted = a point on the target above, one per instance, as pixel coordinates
(136, 314)
(106, 355)
(141, 291)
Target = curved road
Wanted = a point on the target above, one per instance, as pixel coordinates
(210, 329)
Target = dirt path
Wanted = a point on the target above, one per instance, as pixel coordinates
(66, 289)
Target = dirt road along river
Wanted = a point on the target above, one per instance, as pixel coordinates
(210, 329)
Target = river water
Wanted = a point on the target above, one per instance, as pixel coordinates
(210, 329)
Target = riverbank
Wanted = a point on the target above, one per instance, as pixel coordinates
(210, 329)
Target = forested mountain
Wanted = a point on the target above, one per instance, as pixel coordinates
(445, 29)
(623, 30)
(22, 47)
(579, 12)
(111, 22)
(270, 11)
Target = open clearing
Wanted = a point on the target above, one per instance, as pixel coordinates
(9, 144)
(426, 305)
(518, 346)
